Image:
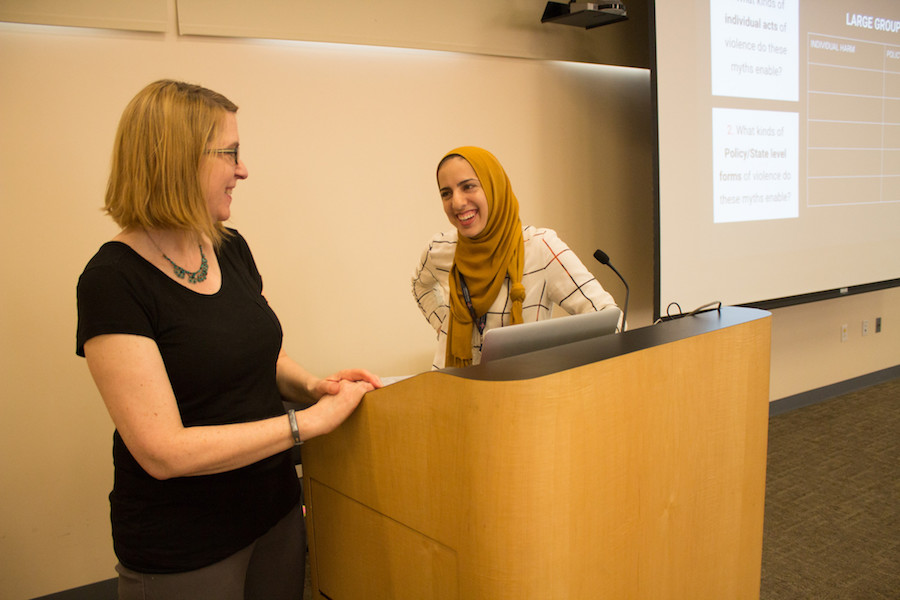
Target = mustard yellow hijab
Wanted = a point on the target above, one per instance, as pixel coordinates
(485, 261)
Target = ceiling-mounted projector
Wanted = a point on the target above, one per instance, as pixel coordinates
(584, 14)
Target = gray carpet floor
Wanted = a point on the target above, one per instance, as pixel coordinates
(831, 527)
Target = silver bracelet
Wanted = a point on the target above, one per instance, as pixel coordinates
(295, 431)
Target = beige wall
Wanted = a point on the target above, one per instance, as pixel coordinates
(341, 144)
(807, 351)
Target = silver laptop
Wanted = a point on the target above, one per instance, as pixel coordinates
(511, 340)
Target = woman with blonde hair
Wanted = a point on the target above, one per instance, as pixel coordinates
(188, 358)
(490, 271)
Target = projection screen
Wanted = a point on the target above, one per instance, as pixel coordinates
(779, 149)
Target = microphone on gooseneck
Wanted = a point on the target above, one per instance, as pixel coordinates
(603, 259)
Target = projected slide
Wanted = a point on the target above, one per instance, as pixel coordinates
(779, 147)
(853, 115)
(754, 49)
(754, 165)
(754, 54)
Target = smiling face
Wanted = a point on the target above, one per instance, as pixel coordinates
(220, 172)
(462, 194)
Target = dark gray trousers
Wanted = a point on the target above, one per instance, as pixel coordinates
(271, 568)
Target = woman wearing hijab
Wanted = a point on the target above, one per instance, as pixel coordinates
(491, 271)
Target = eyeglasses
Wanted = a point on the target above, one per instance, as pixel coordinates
(232, 151)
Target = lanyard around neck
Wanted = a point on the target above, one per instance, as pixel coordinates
(479, 321)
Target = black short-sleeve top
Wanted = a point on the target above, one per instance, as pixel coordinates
(219, 351)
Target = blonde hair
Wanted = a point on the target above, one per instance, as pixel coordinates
(154, 178)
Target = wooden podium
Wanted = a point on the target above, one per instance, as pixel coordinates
(629, 466)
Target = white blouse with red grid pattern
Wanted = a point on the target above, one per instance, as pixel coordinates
(552, 274)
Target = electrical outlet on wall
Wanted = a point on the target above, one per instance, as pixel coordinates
(844, 332)
(865, 327)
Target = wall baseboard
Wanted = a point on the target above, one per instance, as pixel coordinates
(777, 407)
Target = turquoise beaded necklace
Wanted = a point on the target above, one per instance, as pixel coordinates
(180, 272)
(192, 277)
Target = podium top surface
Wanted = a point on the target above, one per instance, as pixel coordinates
(576, 354)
